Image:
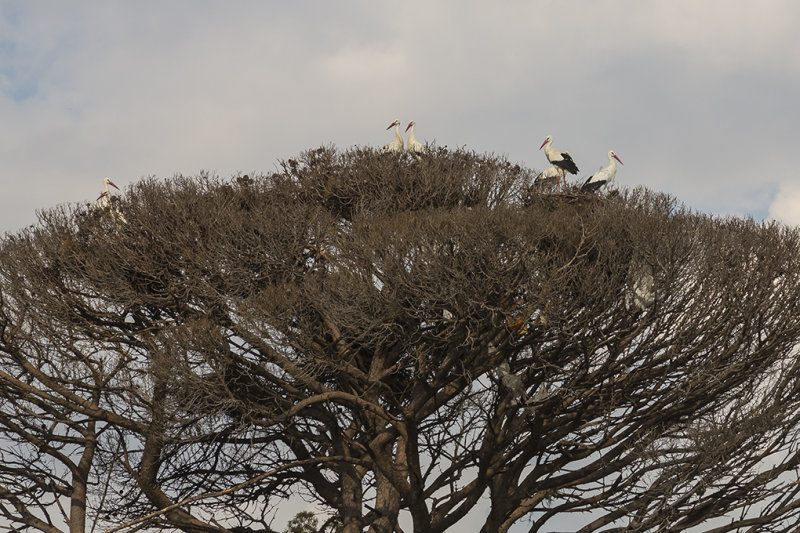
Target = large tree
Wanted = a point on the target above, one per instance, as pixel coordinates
(392, 336)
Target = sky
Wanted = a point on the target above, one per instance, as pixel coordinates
(698, 98)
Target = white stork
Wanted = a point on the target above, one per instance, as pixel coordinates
(397, 144)
(558, 158)
(548, 177)
(603, 177)
(104, 201)
(413, 144)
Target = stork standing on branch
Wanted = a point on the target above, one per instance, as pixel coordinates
(548, 178)
(560, 159)
(603, 177)
(105, 202)
(413, 145)
(397, 144)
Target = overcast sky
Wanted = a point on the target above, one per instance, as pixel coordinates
(698, 98)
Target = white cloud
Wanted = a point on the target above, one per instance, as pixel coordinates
(695, 97)
(785, 207)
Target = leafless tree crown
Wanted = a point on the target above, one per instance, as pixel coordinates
(391, 336)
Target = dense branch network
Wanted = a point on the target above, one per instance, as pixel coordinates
(398, 340)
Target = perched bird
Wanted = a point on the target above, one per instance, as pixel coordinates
(413, 144)
(560, 159)
(397, 144)
(105, 202)
(603, 177)
(549, 177)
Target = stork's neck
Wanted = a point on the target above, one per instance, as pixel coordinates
(548, 148)
(397, 135)
(611, 163)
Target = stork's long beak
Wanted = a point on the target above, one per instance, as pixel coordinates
(618, 159)
(409, 126)
(392, 124)
(542, 146)
(101, 195)
(113, 184)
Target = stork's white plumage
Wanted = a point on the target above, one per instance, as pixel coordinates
(397, 144)
(603, 177)
(559, 158)
(105, 202)
(413, 145)
(549, 177)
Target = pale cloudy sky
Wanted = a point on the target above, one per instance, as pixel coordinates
(698, 97)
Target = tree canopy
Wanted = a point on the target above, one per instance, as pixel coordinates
(410, 343)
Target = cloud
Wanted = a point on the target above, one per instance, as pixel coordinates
(785, 207)
(695, 97)
(730, 35)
